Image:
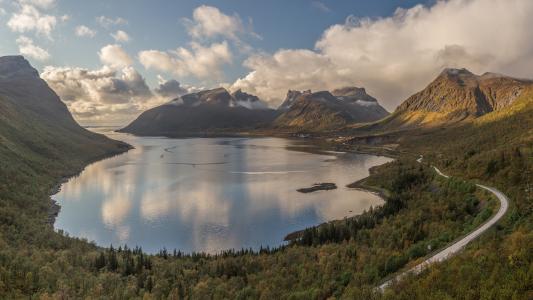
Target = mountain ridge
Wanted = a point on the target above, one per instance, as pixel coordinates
(324, 110)
(455, 96)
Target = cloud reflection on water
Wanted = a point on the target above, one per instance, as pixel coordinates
(144, 198)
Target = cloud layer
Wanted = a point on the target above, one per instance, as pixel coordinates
(396, 56)
(107, 94)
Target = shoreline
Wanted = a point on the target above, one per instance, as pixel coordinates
(324, 142)
(356, 185)
(55, 208)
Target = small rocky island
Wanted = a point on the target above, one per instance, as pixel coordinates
(318, 187)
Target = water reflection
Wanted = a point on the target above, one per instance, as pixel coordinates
(209, 194)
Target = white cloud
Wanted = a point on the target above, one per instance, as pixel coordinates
(85, 31)
(209, 21)
(114, 56)
(107, 94)
(28, 48)
(396, 56)
(199, 61)
(121, 36)
(107, 22)
(104, 94)
(29, 18)
(65, 18)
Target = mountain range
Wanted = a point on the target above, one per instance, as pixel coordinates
(453, 97)
(218, 111)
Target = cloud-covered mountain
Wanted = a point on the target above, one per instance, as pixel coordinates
(208, 111)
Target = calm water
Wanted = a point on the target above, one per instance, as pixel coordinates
(210, 194)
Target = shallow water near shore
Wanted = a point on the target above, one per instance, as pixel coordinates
(210, 194)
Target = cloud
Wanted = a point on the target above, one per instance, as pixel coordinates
(209, 21)
(28, 48)
(170, 88)
(396, 56)
(45, 4)
(321, 6)
(107, 22)
(29, 18)
(114, 56)
(103, 94)
(121, 36)
(199, 61)
(84, 31)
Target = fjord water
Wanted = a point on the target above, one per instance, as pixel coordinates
(210, 194)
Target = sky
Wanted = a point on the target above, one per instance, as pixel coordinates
(111, 60)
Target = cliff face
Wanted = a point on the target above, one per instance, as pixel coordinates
(328, 110)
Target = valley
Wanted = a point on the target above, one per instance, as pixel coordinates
(490, 144)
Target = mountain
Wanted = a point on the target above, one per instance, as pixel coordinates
(20, 83)
(207, 111)
(34, 121)
(328, 110)
(457, 95)
(39, 143)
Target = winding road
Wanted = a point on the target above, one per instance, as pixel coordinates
(459, 245)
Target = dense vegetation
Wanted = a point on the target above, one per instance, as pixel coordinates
(495, 149)
(342, 259)
(370, 247)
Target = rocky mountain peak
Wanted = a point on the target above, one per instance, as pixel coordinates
(289, 99)
(16, 66)
(239, 95)
(353, 94)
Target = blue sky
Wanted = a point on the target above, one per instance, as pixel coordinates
(393, 48)
(159, 25)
